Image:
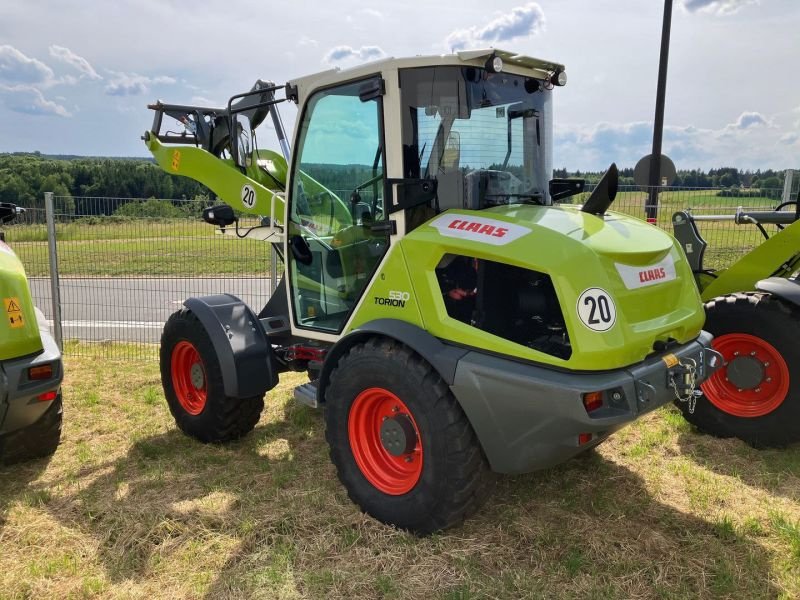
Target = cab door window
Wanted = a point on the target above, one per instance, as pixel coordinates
(337, 198)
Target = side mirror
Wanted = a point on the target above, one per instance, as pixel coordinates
(243, 148)
(221, 215)
(604, 194)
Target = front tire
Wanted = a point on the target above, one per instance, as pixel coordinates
(756, 395)
(193, 385)
(401, 444)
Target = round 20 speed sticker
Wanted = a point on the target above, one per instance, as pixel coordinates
(248, 196)
(596, 309)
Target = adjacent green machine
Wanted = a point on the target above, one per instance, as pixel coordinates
(30, 364)
(753, 310)
(453, 321)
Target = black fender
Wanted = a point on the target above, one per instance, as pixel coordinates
(442, 357)
(243, 349)
(780, 287)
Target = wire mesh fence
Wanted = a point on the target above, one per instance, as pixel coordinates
(124, 265)
(122, 272)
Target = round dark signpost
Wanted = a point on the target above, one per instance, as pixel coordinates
(643, 177)
(641, 172)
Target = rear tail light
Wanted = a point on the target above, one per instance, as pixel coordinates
(584, 438)
(47, 396)
(592, 401)
(40, 372)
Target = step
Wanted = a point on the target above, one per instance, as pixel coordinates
(307, 394)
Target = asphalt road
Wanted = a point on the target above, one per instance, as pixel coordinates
(133, 309)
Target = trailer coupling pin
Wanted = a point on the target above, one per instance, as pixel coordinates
(682, 378)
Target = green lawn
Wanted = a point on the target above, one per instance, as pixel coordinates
(130, 508)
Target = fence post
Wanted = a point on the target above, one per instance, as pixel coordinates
(273, 270)
(55, 288)
(787, 186)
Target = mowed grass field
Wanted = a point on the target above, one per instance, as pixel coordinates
(130, 508)
(139, 248)
(118, 247)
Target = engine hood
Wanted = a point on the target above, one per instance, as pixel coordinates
(620, 237)
(640, 269)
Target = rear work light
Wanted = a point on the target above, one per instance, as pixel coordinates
(40, 372)
(592, 401)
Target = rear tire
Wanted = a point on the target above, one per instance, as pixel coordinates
(36, 441)
(436, 475)
(193, 385)
(757, 397)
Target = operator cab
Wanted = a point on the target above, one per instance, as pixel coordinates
(473, 133)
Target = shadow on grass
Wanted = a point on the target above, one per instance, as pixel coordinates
(266, 517)
(775, 470)
(587, 528)
(15, 486)
(168, 492)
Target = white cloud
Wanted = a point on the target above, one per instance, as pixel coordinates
(341, 53)
(31, 101)
(751, 139)
(133, 84)
(16, 68)
(307, 41)
(749, 119)
(79, 63)
(718, 7)
(522, 21)
(371, 12)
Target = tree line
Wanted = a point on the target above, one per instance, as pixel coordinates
(77, 182)
(24, 178)
(724, 177)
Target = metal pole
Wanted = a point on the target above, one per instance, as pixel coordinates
(658, 124)
(52, 253)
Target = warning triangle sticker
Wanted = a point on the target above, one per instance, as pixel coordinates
(13, 307)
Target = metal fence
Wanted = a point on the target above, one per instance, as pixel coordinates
(117, 274)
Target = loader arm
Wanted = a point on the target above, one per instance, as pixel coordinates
(221, 176)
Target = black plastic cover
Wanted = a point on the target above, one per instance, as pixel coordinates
(245, 355)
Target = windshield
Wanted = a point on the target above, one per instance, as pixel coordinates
(483, 136)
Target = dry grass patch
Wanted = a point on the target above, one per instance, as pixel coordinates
(130, 508)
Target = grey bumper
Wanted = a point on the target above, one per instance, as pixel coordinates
(18, 395)
(529, 417)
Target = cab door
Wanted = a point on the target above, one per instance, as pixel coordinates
(337, 231)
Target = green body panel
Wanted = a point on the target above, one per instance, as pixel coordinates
(764, 261)
(579, 251)
(385, 297)
(16, 341)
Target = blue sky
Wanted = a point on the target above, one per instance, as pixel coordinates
(75, 77)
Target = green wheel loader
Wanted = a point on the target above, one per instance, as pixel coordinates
(453, 321)
(753, 310)
(30, 364)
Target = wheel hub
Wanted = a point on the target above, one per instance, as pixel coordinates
(197, 376)
(398, 436)
(746, 372)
